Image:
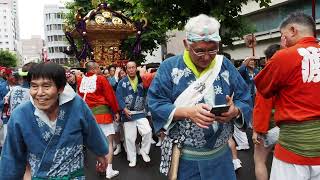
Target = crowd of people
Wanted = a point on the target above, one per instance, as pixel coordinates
(197, 103)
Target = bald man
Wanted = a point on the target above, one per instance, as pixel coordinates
(98, 94)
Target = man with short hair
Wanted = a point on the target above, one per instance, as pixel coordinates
(131, 98)
(50, 130)
(96, 91)
(293, 76)
(181, 97)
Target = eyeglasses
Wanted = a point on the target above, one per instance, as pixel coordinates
(202, 53)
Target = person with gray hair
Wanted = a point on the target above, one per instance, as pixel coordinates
(196, 98)
(292, 76)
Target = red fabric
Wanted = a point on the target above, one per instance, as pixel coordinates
(147, 79)
(104, 118)
(262, 113)
(282, 77)
(104, 95)
(8, 71)
(290, 157)
(295, 100)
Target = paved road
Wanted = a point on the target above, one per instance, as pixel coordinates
(150, 171)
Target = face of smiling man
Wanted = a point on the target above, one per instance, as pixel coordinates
(45, 93)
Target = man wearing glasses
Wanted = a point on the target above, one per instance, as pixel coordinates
(181, 97)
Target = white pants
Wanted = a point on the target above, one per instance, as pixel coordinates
(284, 171)
(130, 136)
(240, 137)
(107, 129)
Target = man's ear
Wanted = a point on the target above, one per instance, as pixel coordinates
(186, 45)
(294, 30)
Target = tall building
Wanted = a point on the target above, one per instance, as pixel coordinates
(55, 40)
(9, 29)
(266, 22)
(32, 49)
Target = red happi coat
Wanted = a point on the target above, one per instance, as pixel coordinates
(292, 76)
(101, 93)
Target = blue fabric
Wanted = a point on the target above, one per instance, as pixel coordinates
(213, 169)
(127, 98)
(4, 89)
(50, 153)
(173, 77)
(113, 82)
(244, 71)
(18, 95)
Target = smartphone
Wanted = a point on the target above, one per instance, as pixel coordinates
(218, 110)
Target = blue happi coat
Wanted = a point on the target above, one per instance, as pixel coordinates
(18, 95)
(134, 101)
(4, 89)
(51, 151)
(248, 78)
(173, 77)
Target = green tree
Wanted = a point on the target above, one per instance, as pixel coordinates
(165, 15)
(8, 59)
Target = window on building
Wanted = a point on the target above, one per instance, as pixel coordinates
(60, 49)
(6, 36)
(7, 42)
(56, 49)
(4, 17)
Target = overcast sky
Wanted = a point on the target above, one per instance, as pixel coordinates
(30, 14)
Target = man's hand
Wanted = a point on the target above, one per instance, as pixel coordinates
(283, 42)
(231, 114)
(102, 163)
(201, 116)
(255, 138)
(117, 117)
(127, 112)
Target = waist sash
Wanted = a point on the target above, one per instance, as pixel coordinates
(101, 109)
(302, 138)
(73, 175)
(103, 114)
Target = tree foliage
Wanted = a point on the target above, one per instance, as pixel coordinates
(165, 15)
(8, 59)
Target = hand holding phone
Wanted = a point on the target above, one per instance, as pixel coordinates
(219, 109)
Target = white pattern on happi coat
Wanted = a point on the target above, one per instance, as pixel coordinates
(310, 64)
(88, 84)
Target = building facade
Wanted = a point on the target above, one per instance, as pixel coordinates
(55, 40)
(266, 22)
(32, 49)
(9, 29)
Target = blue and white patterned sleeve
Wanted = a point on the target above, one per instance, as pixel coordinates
(14, 153)
(160, 100)
(93, 137)
(241, 98)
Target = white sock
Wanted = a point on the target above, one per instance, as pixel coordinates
(109, 168)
